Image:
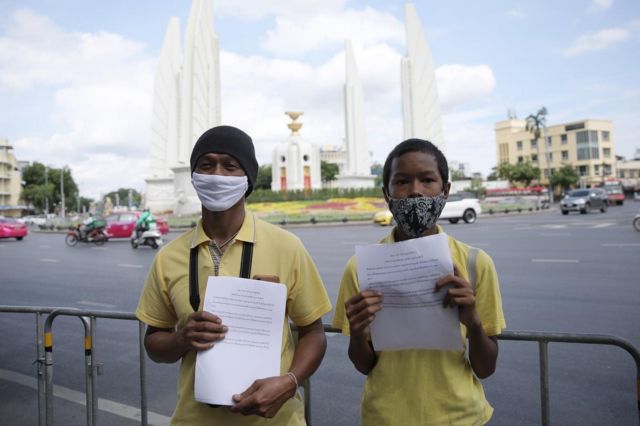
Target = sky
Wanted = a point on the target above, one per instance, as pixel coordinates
(76, 77)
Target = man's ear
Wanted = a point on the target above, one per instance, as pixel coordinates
(446, 189)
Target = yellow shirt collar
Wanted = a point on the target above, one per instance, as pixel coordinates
(246, 233)
(392, 239)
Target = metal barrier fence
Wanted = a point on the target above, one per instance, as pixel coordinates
(44, 358)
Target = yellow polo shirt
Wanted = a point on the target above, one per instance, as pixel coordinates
(428, 387)
(164, 303)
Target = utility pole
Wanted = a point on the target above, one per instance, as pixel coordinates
(547, 150)
(46, 182)
(62, 192)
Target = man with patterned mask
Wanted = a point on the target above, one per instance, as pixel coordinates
(424, 387)
(230, 241)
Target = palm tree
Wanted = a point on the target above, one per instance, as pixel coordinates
(535, 124)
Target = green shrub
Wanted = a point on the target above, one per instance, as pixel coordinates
(267, 196)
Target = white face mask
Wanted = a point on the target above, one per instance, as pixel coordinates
(218, 193)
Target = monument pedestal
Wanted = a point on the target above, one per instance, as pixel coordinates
(186, 201)
(159, 196)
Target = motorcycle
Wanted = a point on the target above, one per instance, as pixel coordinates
(96, 236)
(149, 237)
(636, 222)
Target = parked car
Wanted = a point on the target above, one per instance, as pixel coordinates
(583, 200)
(457, 207)
(12, 228)
(122, 224)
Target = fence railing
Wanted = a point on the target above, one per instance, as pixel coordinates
(45, 361)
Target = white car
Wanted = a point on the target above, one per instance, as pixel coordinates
(458, 208)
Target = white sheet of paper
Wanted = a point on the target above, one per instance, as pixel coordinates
(254, 312)
(412, 315)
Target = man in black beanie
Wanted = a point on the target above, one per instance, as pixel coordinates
(230, 241)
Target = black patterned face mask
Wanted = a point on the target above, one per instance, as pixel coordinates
(416, 215)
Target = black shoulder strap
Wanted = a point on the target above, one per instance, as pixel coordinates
(194, 290)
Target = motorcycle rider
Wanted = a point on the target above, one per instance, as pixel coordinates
(145, 222)
(87, 227)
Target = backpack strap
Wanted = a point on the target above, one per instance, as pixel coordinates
(471, 266)
(194, 290)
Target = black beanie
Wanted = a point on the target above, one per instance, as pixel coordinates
(232, 141)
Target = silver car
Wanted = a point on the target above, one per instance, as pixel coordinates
(583, 200)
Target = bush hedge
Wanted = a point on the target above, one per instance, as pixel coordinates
(267, 196)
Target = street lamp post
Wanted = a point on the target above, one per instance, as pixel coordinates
(547, 150)
(62, 192)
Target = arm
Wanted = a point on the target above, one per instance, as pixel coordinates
(266, 396)
(201, 331)
(360, 311)
(483, 350)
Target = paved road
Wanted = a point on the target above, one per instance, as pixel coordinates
(576, 273)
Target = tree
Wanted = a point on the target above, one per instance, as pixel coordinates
(536, 122)
(525, 173)
(328, 171)
(263, 181)
(565, 177)
(121, 197)
(503, 171)
(376, 170)
(457, 175)
(42, 186)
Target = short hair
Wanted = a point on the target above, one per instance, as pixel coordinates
(415, 145)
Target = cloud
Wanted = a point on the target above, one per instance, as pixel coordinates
(292, 37)
(516, 13)
(458, 84)
(259, 9)
(598, 41)
(99, 86)
(599, 6)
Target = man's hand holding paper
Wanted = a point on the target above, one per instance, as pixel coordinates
(406, 273)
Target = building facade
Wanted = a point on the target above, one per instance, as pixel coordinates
(628, 171)
(10, 181)
(587, 145)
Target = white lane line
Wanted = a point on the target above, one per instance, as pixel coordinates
(556, 234)
(129, 265)
(99, 248)
(49, 260)
(524, 228)
(555, 260)
(479, 244)
(105, 405)
(621, 245)
(603, 225)
(96, 304)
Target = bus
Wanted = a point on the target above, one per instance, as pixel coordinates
(615, 192)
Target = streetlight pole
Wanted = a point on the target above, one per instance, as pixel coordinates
(547, 150)
(46, 183)
(62, 192)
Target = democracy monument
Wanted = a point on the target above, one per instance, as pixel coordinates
(186, 102)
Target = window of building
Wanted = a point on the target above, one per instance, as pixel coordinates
(565, 155)
(596, 169)
(563, 139)
(587, 144)
(546, 173)
(520, 159)
(550, 156)
(534, 144)
(504, 152)
(534, 158)
(576, 126)
(606, 152)
(605, 136)
(519, 145)
(548, 140)
(583, 170)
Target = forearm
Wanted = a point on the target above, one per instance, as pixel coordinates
(312, 344)
(165, 346)
(483, 351)
(361, 354)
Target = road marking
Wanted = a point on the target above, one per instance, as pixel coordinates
(49, 260)
(479, 244)
(97, 304)
(556, 234)
(80, 398)
(603, 225)
(621, 244)
(555, 260)
(99, 248)
(523, 228)
(128, 265)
